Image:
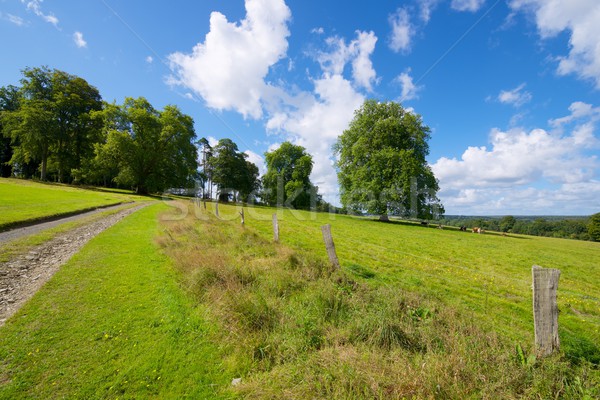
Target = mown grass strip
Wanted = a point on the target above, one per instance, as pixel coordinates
(21, 245)
(112, 323)
(26, 201)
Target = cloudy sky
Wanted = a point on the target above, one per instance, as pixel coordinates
(509, 88)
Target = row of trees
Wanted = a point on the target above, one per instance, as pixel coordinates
(583, 228)
(56, 125)
(286, 181)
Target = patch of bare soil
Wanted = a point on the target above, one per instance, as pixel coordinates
(25, 274)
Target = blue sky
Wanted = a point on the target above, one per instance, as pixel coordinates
(509, 88)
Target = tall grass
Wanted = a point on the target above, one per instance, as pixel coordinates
(292, 327)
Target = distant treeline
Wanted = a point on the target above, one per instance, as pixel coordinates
(580, 228)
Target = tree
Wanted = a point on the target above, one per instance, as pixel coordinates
(381, 163)
(152, 150)
(594, 227)
(52, 125)
(287, 178)
(206, 175)
(9, 101)
(231, 172)
(507, 223)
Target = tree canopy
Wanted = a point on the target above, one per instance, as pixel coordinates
(594, 227)
(230, 170)
(52, 125)
(381, 163)
(145, 148)
(287, 181)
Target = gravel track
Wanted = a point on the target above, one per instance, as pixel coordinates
(25, 274)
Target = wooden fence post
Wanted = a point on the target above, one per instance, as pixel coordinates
(545, 309)
(242, 215)
(328, 239)
(275, 228)
(217, 208)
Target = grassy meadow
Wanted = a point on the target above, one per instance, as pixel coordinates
(22, 200)
(174, 302)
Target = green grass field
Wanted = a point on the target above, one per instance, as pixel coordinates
(179, 307)
(29, 201)
(489, 275)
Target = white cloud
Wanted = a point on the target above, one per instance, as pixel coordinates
(358, 52)
(36, 7)
(578, 110)
(79, 41)
(524, 172)
(402, 31)
(409, 88)
(426, 8)
(467, 5)
(318, 31)
(228, 69)
(257, 160)
(516, 97)
(18, 21)
(149, 59)
(580, 18)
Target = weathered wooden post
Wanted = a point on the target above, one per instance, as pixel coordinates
(328, 239)
(217, 208)
(545, 309)
(275, 228)
(242, 215)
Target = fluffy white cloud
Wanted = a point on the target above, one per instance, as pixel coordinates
(257, 160)
(409, 88)
(580, 18)
(358, 52)
(516, 97)
(525, 171)
(229, 68)
(79, 41)
(467, 5)
(149, 59)
(36, 7)
(402, 31)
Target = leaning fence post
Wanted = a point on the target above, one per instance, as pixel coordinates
(275, 228)
(328, 239)
(545, 309)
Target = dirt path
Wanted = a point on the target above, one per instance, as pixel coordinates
(24, 275)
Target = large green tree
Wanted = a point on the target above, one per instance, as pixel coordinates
(230, 170)
(52, 126)
(9, 101)
(144, 148)
(594, 227)
(287, 181)
(381, 163)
